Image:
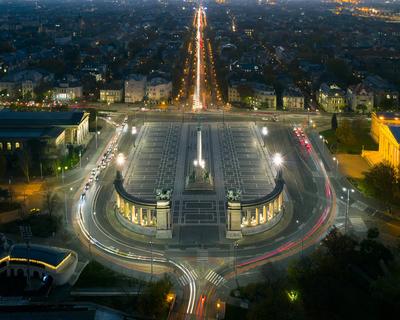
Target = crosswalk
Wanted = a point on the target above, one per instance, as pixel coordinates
(184, 280)
(359, 205)
(215, 278)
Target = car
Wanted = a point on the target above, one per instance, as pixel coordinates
(87, 186)
(83, 196)
(34, 211)
(91, 179)
(97, 177)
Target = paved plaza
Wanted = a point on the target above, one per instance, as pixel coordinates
(234, 156)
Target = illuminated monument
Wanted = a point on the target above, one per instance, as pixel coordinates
(199, 177)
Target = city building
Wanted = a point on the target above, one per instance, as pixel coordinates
(135, 88)
(112, 93)
(360, 98)
(75, 124)
(331, 98)
(253, 94)
(23, 83)
(292, 99)
(158, 90)
(385, 94)
(385, 130)
(67, 90)
(40, 262)
(50, 140)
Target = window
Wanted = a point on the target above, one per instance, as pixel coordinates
(17, 146)
(1, 146)
(9, 146)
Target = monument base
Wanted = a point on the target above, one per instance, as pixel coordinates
(230, 234)
(164, 234)
(199, 180)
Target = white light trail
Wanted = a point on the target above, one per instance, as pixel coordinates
(197, 105)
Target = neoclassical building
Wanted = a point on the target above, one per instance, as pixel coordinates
(385, 130)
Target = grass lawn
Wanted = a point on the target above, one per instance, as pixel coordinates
(362, 136)
(41, 225)
(234, 313)
(96, 275)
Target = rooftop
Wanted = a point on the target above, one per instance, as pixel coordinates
(50, 255)
(39, 119)
(32, 133)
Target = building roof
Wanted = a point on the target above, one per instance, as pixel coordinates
(40, 119)
(30, 133)
(395, 130)
(49, 255)
(388, 115)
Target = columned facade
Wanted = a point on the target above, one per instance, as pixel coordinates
(254, 216)
(145, 217)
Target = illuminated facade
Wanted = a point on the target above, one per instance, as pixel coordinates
(40, 262)
(385, 130)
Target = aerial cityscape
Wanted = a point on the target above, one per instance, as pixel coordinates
(227, 159)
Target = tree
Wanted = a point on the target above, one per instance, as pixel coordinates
(24, 162)
(380, 182)
(50, 200)
(344, 133)
(362, 108)
(334, 122)
(245, 92)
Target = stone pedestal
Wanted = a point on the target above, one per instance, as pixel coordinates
(163, 220)
(233, 222)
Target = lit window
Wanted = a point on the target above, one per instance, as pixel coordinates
(1, 145)
(17, 146)
(8, 146)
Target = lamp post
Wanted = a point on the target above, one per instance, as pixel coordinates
(264, 132)
(62, 169)
(134, 132)
(302, 239)
(235, 247)
(151, 261)
(96, 130)
(348, 190)
(336, 160)
(80, 159)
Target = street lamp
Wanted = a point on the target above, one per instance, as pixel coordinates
(62, 169)
(264, 132)
(348, 190)
(151, 261)
(337, 165)
(120, 159)
(277, 159)
(235, 247)
(302, 239)
(134, 132)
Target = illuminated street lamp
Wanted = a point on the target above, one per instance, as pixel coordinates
(264, 132)
(62, 169)
(277, 159)
(120, 159)
(337, 165)
(134, 132)
(348, 190)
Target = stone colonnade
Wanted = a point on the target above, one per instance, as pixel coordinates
(254, 213)
(143, 214)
